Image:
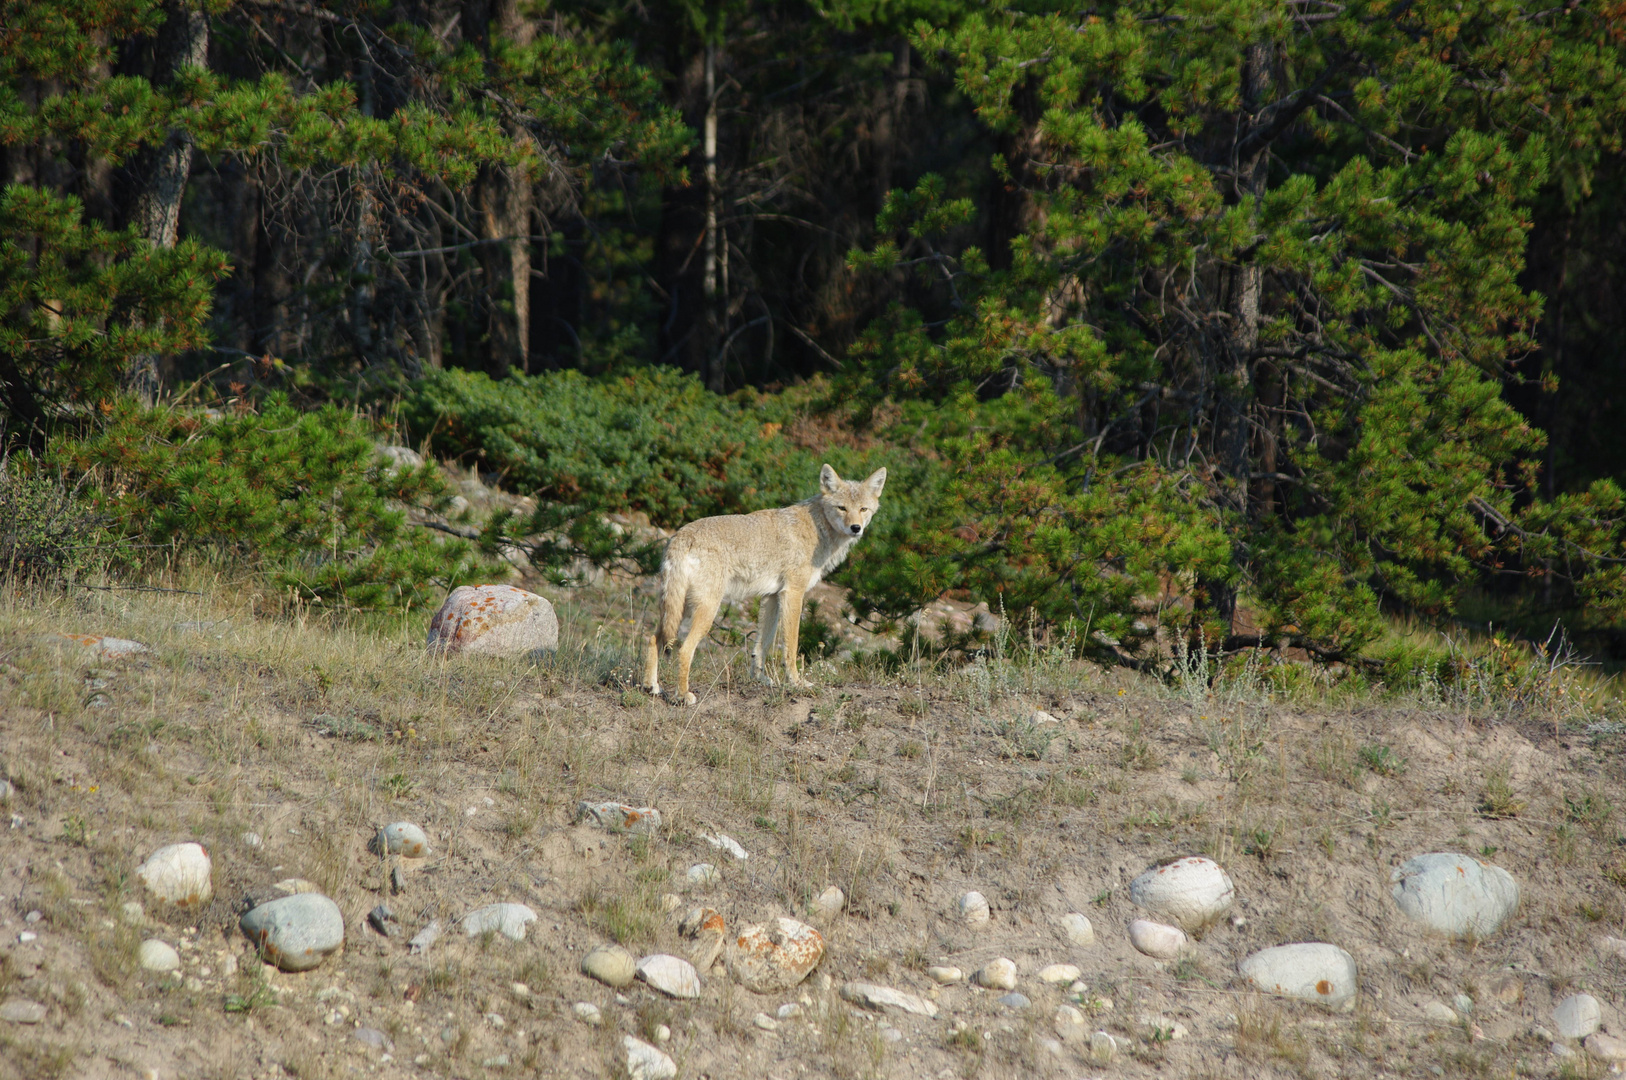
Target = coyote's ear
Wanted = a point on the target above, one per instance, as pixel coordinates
(828, 480)
(876, 481)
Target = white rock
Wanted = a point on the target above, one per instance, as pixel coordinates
(773, 958)
(107, 648)
(944, 976)
(400, 459)
(998, 974)
(1190, 892)
(1059, 973)
(671, 975)
(765, 1022)
(1578, 1016)
(424, 938)
(132, 912)
(788, 1010)
(619, 817)
(22, 1011)
(703, 874)
(296, 933)
(7, 791)
(645, 1062)
(1605, 1047)
(1463, 1004)
(828, 904)
(1103, 1048)
(1315, 972)
(252, 840)
(494, 620)
(509, 920)
(1041, 717)
(1439, 1012)
(179, 874)
(724, 842)
(884, 997)
(973, 907)
(1078, 929)
(1455, 894)
(1069, 1020)
(611, 965)
(587, 1013)
(1157, 940)
(1611, 946)
(155, 955)
(400, 838)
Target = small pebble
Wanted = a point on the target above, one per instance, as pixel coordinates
(765, 1022)
(588, 1013)
(945, 975)
(703, 874)
(155, 955)
(788, 1010)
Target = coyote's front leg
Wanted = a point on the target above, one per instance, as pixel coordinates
(790, 624)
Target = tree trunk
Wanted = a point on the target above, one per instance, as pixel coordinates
(716, 316)
(156, 212)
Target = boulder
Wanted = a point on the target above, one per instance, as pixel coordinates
(619, 817)
(884, 997)
(1190, 892)
(509, 920)
(296, 933)
(973, 908)
(1078, 929)
(611, 965)
(179, 874)
(671, 975)
(494, 620)
(1578, 1016)
(400, 838)
(773, 958)
(1157, 940)
(1455, 894)
(999, 974)
(1315, 972)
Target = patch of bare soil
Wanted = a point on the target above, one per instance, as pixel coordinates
(904, 790)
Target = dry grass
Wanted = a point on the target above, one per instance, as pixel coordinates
(903, 786)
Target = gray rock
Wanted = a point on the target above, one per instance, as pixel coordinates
(1439, 1012)
(1015, 1000)
(375, 1039)
(382, 919)
(765, 1022)
(611, 965)
(1605, 1047)
(645, 1062)
(296, 933)
(426, 937)
(703, 874)
(671, 975)
(155, 955)
(1463, 1004)
(400, 838)
(1313, 971)
(1578, 1016)
(494, 620)
(509, 920)
(1455, 894)
(884, 997)
(22, 1011)
(1103, 1048)
(619, 817)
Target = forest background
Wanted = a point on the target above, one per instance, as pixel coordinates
(1261, 321)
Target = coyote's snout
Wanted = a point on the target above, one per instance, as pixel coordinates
(775, 554)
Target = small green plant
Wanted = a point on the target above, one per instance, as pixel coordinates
(75, 831)
(909, 749)
(396, 786)
(1382, 760)
(1496, 797)
(1260, 842)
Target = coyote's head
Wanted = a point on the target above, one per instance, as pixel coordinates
(849, 504)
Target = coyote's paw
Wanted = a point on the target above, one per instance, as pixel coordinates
(801, 684)
(685, 700)
(761, 675)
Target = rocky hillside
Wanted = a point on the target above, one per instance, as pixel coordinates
(268, 846)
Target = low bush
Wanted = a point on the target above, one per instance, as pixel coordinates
(304, 498)
(47, 529)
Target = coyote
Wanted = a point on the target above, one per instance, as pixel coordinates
(775, 554)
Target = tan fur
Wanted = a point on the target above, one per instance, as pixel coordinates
(773, 554)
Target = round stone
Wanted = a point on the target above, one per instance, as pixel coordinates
(155, 955)
(1015, 1000)
(973, 908)
(296, 933)
(828, 904)
(773, 958)
(703, 874)
(1103, 1048)
(1078, 929)
(401, 838)
(611, 965)
(997, 974)
(944, 976)
(1059, 973)
(494, 620)
(1455, 894)
(509, 920)
(178, 874)
(1157, 940)
(1190, 893)
(1315, 972)
(1578, 1016)
(587, 1013)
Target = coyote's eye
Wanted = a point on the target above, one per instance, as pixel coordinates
(843, 509)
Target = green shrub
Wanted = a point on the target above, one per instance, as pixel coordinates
(302, 497)
(47, 530)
